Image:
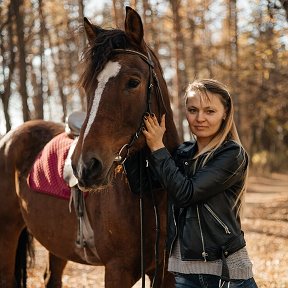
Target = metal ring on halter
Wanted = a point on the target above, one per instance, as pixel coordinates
(119, 157)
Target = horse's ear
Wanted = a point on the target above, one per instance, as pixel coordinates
(134, 26)
(91, 30)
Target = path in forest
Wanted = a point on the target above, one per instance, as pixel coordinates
(266, 231)
(266, 227)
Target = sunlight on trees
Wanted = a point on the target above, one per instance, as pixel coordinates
(241, 43)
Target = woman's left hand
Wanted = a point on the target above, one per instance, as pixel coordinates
(154, 132)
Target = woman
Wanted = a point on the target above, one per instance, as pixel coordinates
(205, 181)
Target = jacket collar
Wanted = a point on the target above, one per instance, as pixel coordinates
(187, 149)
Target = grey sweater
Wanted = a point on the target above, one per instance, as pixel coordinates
(239, 264)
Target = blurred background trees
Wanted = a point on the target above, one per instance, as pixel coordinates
(241, 43)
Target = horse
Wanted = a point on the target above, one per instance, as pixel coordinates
(123, 80)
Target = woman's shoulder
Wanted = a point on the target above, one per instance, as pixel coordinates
(233, 146)
(232, 150)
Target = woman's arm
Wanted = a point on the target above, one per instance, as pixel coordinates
(225, 168)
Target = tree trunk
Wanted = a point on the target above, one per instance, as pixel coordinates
(82, 40)
(285, 6)
(154, 40)
(194, 50)
(7, 82)
(178, 40)
(118, 13)
(233, 59)
(58, 70)
(19, 18)
(146, 7)
(133, 4)
(38, 96)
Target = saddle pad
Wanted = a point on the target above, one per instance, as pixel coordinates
(46, 175)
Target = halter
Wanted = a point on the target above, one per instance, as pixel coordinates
(152, 76)
(122, 158)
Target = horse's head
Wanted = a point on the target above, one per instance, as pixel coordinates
(123, 80)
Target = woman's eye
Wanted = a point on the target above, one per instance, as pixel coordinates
(210, 111)
(192, 110)
(133, 83)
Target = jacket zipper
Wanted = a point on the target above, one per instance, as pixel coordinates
(227, 231)
(170, 252)
(204, 254)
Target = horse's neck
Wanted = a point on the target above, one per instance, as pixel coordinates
(172, 140)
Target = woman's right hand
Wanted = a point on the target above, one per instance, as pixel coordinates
(154, 132)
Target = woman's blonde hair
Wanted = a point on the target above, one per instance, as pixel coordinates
(227, 129)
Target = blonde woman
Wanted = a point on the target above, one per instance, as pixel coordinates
(205, 181)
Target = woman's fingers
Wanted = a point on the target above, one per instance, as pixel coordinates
(149, 122)
(152, 124)
(162, 123)
(152, 119)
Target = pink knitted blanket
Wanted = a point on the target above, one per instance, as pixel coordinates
(46, 175)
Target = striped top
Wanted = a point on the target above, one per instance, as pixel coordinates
(239, 264)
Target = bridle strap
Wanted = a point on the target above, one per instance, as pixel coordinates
(150, 63)
(152, 76)
(134, 52)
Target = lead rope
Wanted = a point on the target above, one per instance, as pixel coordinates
(157, 227)
(142, 222)
(121, 159)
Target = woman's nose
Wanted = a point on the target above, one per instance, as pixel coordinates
(200, 117)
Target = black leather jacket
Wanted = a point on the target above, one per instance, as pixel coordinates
(202, 198)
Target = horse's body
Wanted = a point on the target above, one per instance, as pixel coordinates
(115, 112)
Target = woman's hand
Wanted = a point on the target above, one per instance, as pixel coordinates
(154, 132)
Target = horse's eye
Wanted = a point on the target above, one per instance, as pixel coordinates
(133, 83)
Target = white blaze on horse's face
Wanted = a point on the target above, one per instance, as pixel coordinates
(110, 70)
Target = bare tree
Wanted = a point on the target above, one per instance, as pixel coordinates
(118, 13)
(18, 6)
(82, 40)
(179, 56)
(285, 6)
(5, 95)
(232, 51)
(38, 96)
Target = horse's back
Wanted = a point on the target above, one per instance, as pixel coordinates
(20, 146)
(18, 149)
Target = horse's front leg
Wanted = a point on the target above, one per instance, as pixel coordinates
(117, 275)
(54, 271)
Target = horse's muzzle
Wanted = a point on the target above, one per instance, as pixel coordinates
(89, 173)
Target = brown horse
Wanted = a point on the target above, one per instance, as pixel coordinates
(122, 79)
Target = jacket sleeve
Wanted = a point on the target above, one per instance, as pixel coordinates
(224, 169)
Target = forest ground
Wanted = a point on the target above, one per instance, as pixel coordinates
(266, 231)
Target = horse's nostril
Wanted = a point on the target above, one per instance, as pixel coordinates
(89, 172)
(91, 169)
(94, 165)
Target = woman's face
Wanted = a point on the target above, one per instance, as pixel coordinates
(204, 115)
